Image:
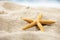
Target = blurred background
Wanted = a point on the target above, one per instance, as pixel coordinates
(38, 3)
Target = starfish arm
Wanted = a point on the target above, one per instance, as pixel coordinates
(40, 26)
(40, 16)
(28, 20)
(47, 22)
(29, 25)
(41, 21)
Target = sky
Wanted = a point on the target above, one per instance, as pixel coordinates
(39, 3)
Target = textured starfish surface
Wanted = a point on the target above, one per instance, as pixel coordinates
(39, 22)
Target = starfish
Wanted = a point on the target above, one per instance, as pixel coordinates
(38, 22)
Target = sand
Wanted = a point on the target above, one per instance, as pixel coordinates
(11, 22)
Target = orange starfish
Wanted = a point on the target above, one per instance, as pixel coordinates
(37, 22)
